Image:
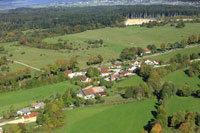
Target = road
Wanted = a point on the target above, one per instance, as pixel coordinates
(33, 119)
(21, 63)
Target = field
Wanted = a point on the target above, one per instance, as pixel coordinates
(106, 119)
(132, 81)
(137, 21)
(166, 57)
(183, 103)
(179, 78)
(22, 98)
(114, 38)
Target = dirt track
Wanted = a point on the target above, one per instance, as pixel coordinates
(137, 21)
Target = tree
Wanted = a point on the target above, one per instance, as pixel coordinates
(93, 72)
(52, 116)
(67, 98)
(177, 118)
(180, 24)
(163, 46)
(145, 71)
(168, 90)
(185, 91)
(183, 43)
(154, 81)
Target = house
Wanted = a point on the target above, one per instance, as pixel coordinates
(69, 73)
(85, 70)
(1, 130)
(125, 73)
(135, 63)
(132, 68)
(148, 62)
(156, 62)
(118, 65)
(24, 111)
(85, 79)
(147, 51)
(30, 115)
(114, 77)
(104, 72)
(38, 105)
(90, 92)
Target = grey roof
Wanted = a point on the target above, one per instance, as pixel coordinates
(25, 110)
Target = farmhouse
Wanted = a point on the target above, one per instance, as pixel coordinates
(148, 62)
(90, 92)
(85, 79)
(147, 51)
(118, 65)
(125, 73)
(30, 115)
(105, 72)
(114, 77)
(156, 62)
(38, 105)
(24, 111)
(132, 68)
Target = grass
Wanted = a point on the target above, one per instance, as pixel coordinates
(183, 103)
(115, 38)
(180, 78)
(132, 81)
(124, 118)
(22, 98)
(166, 57)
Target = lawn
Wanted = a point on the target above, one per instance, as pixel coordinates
(180, 78)
(132, 81)
(22, 98)
(183, 103)
(124, 118)
(166, 57)
(115, 38)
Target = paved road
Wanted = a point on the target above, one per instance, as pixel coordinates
(33, 119)
(17, 62)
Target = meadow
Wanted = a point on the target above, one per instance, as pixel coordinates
(106, 119)
(179, 78)
(166, 57)
(115, 40)
(20, 99)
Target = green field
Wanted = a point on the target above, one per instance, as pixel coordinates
(132, 81)
(20, 99)
(115, 38)
(166, 57)
(179, 78)
(124, 118)
(183, 103)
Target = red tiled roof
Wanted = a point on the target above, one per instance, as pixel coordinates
(84, 78)
(68, 72)
(85, 70)
(130, 66)
(89, 91)
(124, 72)
(118, 64)
(146, 50)
(158, 61)
(33, 105)
(105, 70)
(113, 76)
(31, 115)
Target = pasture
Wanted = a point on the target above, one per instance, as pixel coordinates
(115, 40)
(106, 119)
(20, 99)
(176, 104)
(179, 78)
(166, 57)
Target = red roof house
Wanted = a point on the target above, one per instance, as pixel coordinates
(31, 115)
(67, 72)
(147, 51)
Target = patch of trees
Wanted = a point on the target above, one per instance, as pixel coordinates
(93, 72)
(3, 61)
(151, 24)
(24, 79)
(131, 53)
(95, 60)
(194, 69)
(180, 24)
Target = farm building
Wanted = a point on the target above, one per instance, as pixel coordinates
(38, 105)
(30, 115)
(24, 111)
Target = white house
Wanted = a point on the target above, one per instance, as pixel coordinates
(1, 130)
(148, 62)
(85, 79)
(132, 68)
(105, 72)
(25, 111)
(40, 105)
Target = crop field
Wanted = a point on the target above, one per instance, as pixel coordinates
(115, 39)
(166, 57)
(183, 103)
(106, 119)
(22, 98)
(180, 78)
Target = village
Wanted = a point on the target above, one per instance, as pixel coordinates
(115, 72)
